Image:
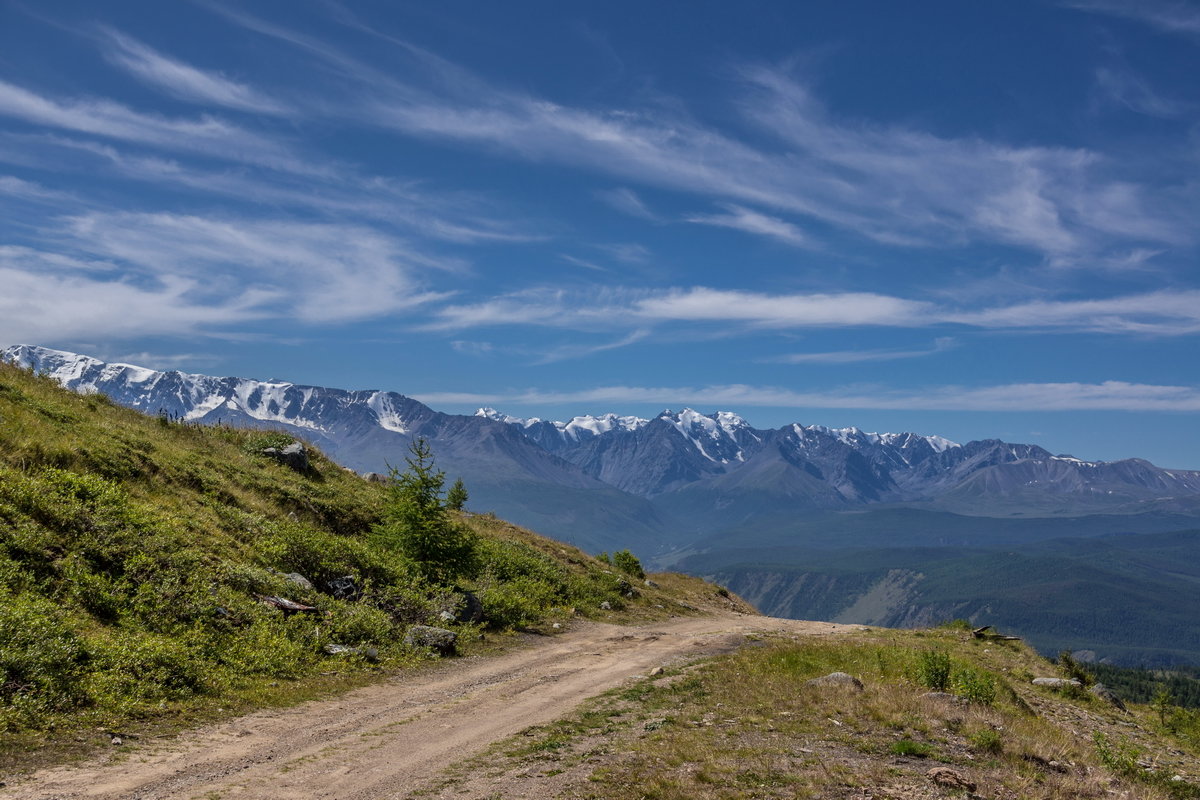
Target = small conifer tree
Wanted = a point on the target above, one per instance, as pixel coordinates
(416, 523)
(456, 498)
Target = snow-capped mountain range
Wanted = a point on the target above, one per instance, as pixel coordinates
(613, 480)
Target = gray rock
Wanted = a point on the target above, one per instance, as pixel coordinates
(369, 653)
(945, 697)
(651, 584)
(376, 477)
(343, 588)
(439, 640)
(606, 606)
(1056, 683)
(471, 609)
(837, 679)
(293, 456)
(299, 580)
(1106, 694)
(447, 616)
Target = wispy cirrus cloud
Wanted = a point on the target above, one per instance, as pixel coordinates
(892, 183)
(754, 222)
(185, 81)
(1170, 16)
(1160, 313)
(1103, 396)
(940, 345)
(463, 217)
(28, 190)
(206, 135)
(1122, 87)
(620, 307)
(627, 201)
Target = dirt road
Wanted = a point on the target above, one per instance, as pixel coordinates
(387, 740)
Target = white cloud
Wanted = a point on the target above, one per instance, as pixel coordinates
(52, 304)
(129, 274)
(782, 311)
(940, 345)
(1167, 313)
(28, 190)
(1162, 313)
(1106, 396)
(206, 135)
(185, 81)
(744, 219)
(893, 183)
(322, 272)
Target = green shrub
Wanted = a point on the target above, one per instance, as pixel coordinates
(1119, 756)
(41, 661)
(272, 646)
(359, 623)
(628, 563)
(257, 441)
(907, 747)
(1074, 669)
(986, 740)
(978, 686)
(517, 602)
(957, 625)
(133, 666)
(933, 669)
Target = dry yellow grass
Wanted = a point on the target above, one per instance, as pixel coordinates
(749, 725)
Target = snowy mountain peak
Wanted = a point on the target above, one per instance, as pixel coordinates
(855, 437)
(584, 425)
(205, 398)
(599, 425)
(488, 412)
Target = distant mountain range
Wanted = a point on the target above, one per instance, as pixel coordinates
(706, 492)
(671, 479)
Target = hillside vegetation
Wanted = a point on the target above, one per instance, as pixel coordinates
(155, 573)
(935, 713)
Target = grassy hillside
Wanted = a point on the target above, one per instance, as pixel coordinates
(751, 725)
(141, 559)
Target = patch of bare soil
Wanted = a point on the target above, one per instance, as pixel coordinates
(392, 739)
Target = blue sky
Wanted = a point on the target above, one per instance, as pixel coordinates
(971, 219)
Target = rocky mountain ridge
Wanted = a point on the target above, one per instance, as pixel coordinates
(607, 481)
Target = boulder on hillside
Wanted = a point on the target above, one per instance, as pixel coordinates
(299, 580)
(1056, 683)
(842, 679)
(294, 456)
(439, 640)
(1106, 694)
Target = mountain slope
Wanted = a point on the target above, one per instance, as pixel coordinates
(159, 570)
